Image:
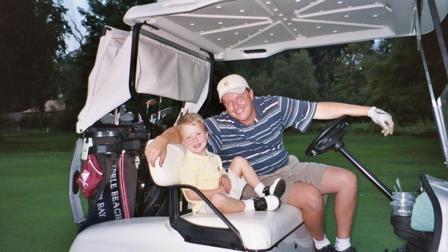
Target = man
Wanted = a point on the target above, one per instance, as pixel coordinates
(252, 127)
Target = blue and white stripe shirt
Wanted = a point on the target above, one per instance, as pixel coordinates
(262, 142)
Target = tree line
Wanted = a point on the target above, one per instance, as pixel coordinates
(35, 65)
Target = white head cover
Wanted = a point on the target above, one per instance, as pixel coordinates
(233, 83)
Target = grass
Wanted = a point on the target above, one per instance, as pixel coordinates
(35, 213)
(34, 208)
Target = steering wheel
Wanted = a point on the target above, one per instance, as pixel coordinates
(330, 138)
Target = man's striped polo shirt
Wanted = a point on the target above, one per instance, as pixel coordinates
(261, 143)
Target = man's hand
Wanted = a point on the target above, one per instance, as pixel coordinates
(224, 181)
(383, 119)
(156, 150)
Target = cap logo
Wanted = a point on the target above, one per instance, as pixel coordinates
(226, 83)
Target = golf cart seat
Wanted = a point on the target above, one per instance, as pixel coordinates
(245, 230)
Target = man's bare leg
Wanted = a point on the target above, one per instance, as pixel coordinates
(308, 199)
(343, 184)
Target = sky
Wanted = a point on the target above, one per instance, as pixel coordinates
(73, 15)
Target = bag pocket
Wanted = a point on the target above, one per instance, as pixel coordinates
(90, 176)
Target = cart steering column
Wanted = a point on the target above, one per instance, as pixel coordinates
(331, 139)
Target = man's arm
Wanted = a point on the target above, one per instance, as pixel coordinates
(332, 110)
(157, 148)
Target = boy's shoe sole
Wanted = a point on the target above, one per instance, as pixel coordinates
(350, 249)
(328, 248)
(267, 203)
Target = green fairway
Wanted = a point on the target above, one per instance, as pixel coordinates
(35, 213)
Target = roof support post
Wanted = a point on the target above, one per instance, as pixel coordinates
(133, 72)
(436, 106)
(439, 35)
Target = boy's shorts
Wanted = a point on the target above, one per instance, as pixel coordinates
(292, 172)
(238, 184)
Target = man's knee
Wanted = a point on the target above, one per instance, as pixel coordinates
(304, 195)
(337, 179)
(349, 180)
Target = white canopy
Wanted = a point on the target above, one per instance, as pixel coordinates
(230, 30)
(242, 29)
(161, 70)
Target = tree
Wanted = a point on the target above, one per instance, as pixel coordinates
(290, 73)
(326, 61)
(261, 83)
(396, 82)
(99, 15)
(293, 76)
(32, 42)
(349, 83)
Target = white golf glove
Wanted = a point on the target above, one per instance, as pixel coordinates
(383, 119)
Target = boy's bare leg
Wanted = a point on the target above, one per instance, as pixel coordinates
(242, 168)
(227, 204)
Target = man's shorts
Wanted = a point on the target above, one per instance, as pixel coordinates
(292, 172)
(238, 184)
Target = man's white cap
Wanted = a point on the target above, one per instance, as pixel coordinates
(233, 83)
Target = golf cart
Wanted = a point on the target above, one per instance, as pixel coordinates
(171, 53)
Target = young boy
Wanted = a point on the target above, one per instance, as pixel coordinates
(204, 170)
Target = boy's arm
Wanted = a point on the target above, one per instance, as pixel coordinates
(157, 148)
(224, 181)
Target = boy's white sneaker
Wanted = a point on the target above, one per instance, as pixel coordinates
(277, 188)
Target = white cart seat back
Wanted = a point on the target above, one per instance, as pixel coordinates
(168, 174)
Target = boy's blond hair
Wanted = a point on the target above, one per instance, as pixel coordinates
(191, 119)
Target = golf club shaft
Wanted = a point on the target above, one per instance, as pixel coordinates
(399, 184)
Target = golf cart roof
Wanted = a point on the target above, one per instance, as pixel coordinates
(181, 36)
(242, 29)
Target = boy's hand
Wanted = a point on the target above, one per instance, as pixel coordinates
(221, 189)
(224, 181)
(156, 150)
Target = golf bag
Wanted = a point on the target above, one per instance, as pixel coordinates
(108, 178)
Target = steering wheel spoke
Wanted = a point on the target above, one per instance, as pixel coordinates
(329, 139)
